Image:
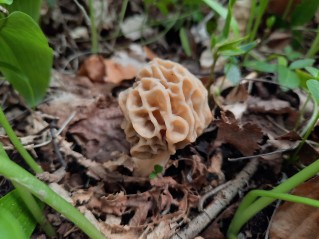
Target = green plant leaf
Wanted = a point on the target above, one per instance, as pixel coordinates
(313, 71)
(24, 46)
(270, 21)
(282, 61)
(32, 8)
(158, 168)
(10, 226)
(221, 11)
(291, 54)
(185, 43)
(313, 87)
(304, 77)
(229, 44)
(6, 2)
(304, 12)
(287, 77)
(152, 175)
(260, 66)
(249, 46)
(302, 63)
(232, 73)
(13, 204)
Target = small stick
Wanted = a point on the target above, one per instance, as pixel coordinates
(222, 199)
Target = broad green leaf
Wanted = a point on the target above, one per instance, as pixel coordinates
(32, 8)
(9, 226)
(304, 12)
(24, 46)
(185, 43)
(260, 66)
(313, 87)
(313, 71)
(221, 11)
(6, 2)
(232, 73)
(299, 64)
(13, 204)
(287, 77)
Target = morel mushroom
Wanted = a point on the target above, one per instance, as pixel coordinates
(165, 109)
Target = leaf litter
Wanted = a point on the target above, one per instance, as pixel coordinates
(95, 171)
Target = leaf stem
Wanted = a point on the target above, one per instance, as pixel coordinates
(93, 28)
(20, 176)
(250, 207)
(17, 144)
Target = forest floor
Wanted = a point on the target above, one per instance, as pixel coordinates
(77, 138)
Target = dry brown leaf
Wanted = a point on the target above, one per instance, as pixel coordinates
(275, 106)
(98, 131)
(116, 72)
(297, 221)
(98, 69)
(94, 68)
(245, 138)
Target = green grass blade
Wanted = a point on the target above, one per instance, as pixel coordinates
(185, 43)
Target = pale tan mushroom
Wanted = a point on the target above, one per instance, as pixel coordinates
(165, 109)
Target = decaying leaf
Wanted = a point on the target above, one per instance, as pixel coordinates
(245, 138)
(297, 221)
(96, 68)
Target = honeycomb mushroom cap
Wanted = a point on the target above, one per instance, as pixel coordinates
(165, 109)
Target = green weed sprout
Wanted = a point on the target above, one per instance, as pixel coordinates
(256, 200)
(157, 170)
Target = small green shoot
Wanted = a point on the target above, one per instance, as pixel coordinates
(157, 170)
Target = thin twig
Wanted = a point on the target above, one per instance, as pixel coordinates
(210, 194)
(262, 155)
(55, 144)
(222, 199)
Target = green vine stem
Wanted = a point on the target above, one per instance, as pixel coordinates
(250, 207)
(26, 180)
(17, 144)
